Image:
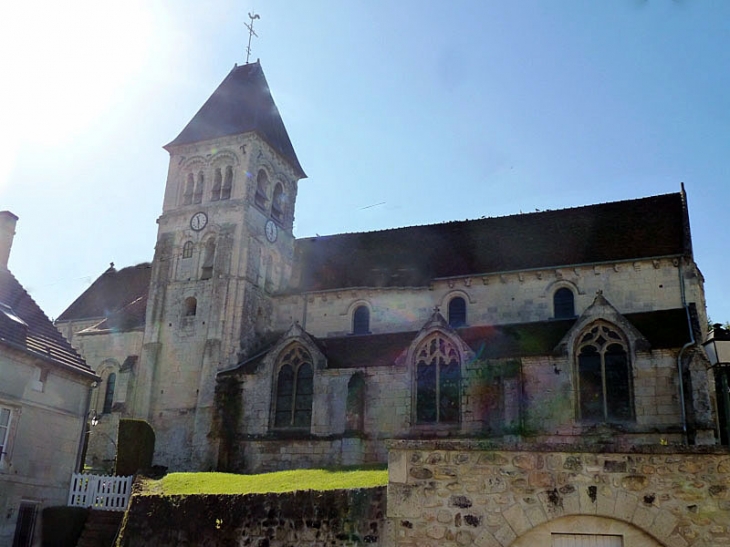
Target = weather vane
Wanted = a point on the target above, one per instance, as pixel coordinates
(250, 33)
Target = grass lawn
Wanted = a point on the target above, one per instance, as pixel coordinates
(281, 481)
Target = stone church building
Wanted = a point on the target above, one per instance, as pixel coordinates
(249, 350)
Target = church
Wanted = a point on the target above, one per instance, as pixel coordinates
(248, 350)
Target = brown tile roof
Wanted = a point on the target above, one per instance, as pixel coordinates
(242, 103)
(112, 292)
(23, 325)
(413, 256)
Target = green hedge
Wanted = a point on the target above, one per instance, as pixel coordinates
(136, 445)
(62, 526)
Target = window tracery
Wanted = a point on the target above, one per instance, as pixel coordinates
(604, 375)
(438, 381)
(294, 389)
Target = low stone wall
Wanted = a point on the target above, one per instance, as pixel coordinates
(307, 518)
(464, 493)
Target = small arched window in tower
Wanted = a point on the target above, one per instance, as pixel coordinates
(187, 249)
(355, 409)
(563, 304)
(277, 203)
(208, 260)
(294, 389)
(191, 306)
(198, 195)
(457, 312)
(189, 190)
(109, 393)
(215, 193)
(361, 320)
(227, 184)
(262, 182)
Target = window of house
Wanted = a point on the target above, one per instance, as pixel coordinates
(277, 203)
(189, 190)
(262, 181)
(355, 408)
(208, 260)
(198, 195)
(227, 184)
(187, 249)
(294, 389)
(438, 381)
(111, 380)
(25, 525)
(361, 320)
(191, 306)
(563, 304)
(5, 415)
(457, 312)
(604, 375)
(215, 192)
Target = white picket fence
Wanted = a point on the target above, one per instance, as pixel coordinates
(103, 492)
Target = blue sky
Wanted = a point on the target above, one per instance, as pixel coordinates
(434, 111)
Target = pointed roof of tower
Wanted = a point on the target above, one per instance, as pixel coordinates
(242, 103)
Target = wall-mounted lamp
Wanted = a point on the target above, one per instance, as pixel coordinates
(717, 347)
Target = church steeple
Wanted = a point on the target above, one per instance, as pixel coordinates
(242, 103)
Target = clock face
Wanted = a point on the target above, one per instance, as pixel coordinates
(272, 231)
(199, 221)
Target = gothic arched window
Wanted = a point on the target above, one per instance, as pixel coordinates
(438, 381)
(361, 320)
(187, 249)
(604, 375)
(227, 184)
(262, 182)
(457, 312)
(563, 304)
(294, 389)
(109, 393)
(189, 190)
(198, 195)
(277, 203)
(215, 193)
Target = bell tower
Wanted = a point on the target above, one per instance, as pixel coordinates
(224, 245)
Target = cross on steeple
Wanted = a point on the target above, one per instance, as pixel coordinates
(250, 33)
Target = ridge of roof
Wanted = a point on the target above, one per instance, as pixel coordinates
(487, 218)
(242, 103)
(37, 335)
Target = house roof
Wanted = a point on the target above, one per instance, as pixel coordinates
(410, 257)
(113, 291)
(242, 103)
(24, 326)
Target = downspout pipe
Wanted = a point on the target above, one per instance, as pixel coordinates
(692, 342)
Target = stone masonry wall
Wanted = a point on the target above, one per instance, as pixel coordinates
(463, 493)
(306, 518)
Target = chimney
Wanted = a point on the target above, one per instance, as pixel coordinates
(7, 231)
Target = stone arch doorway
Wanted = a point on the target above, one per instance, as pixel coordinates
(585, 530)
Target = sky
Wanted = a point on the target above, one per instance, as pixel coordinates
(401, 112)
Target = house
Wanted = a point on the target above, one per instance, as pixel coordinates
(44, 392)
